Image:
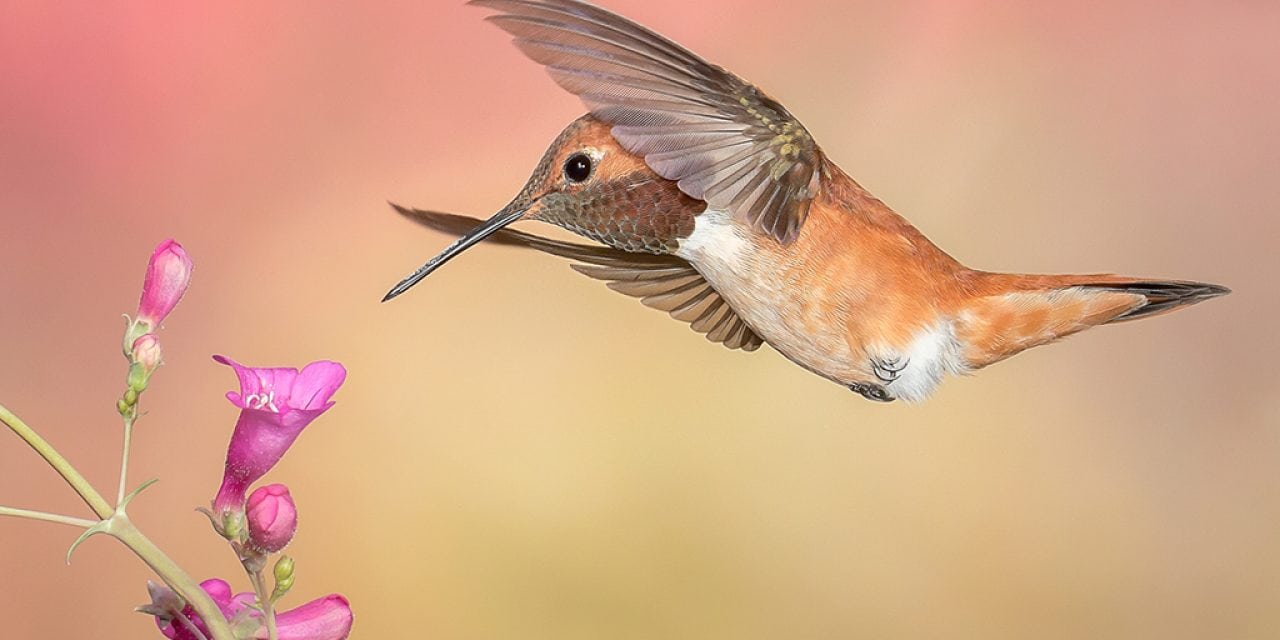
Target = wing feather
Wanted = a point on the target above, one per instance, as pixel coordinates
(663, 282)
(720, 138)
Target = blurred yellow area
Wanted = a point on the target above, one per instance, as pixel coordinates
(520, 453)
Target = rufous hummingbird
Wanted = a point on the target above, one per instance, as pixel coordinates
(716, 205)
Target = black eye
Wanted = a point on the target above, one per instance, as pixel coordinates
(578, 168)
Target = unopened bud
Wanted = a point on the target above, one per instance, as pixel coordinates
(168, 275)
(146, 352)
(145, 357)
(272, 518)
(283, 572)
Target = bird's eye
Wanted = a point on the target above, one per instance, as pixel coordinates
(578, 168)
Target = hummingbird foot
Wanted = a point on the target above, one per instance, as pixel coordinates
(889, 370)
(873, 392)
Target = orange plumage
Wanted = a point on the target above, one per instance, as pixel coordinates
(717, 206)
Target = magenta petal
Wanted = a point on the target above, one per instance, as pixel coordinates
(167, 279)
(316, 384)
(276, 405)
(327, 618)
(256, 381)
(241, 602)
(259, 441)
(220, 592)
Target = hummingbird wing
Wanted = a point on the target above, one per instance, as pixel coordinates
(663, 282)
(722, 139)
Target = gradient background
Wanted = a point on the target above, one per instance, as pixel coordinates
(520, 453)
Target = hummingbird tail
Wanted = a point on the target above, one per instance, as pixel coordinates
(1012, 313)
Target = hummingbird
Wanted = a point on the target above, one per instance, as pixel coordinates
(712, 202)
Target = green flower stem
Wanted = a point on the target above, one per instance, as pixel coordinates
(46, 517)
(115, 523)
(81, 486)
(122, 529)
(264, 601)
(124, 457)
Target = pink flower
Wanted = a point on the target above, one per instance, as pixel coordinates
(168, 275)
(327, 618)
(275, 406)
(273, 518)
(219, 591)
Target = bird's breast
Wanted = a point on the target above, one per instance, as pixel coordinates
(785, 299)
(840, 300)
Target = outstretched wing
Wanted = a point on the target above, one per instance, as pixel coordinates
(720, 138)
(660, 281)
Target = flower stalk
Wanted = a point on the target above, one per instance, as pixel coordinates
(46, 517)
(122, 529)
(113, 522)
(73, 478)
(124, 455)
(265, 603)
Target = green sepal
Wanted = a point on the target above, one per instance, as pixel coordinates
(134, 329)
(152, 610)
(138, 377)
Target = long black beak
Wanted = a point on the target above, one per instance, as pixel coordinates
(490, 226)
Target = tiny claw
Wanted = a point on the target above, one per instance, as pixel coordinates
(888, 371)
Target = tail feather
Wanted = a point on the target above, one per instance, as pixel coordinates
(1012, 313)
(1164, 296)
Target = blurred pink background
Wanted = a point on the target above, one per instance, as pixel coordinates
(520, 453)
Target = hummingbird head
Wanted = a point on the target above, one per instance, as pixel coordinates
(588, 184)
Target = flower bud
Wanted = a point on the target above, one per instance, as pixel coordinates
(168, 275)
(272, 517)
(145, 355)
(146, 352)
(283, 573)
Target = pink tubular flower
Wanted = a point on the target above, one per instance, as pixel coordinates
(176, 629)
(275, 406)
(327, 618)
(168, 275)
(272, 516)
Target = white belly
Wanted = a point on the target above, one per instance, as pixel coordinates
(782, 312)
(793, 314)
